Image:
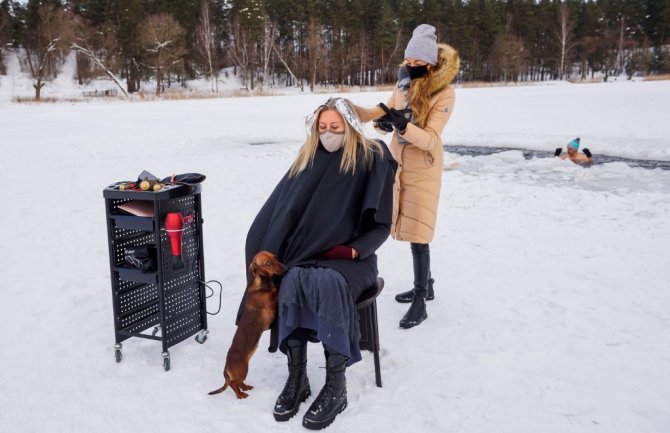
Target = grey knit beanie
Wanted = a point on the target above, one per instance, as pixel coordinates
(423, 45)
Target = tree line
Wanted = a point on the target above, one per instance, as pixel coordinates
(332, 42)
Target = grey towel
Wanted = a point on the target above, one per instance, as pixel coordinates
(319, 299)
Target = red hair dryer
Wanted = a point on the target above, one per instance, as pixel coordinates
(174, 226)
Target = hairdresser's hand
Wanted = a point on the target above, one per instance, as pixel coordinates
(396, 117)
(383, 123)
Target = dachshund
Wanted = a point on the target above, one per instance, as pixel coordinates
(259, 312)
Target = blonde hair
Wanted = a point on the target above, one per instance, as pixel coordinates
(419, 96)
(438, 77)
(353, 140)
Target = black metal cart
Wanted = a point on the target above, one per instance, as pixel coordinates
(168, 304)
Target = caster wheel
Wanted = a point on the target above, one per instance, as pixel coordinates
(166, 361)
(202, 336)
(118, 356)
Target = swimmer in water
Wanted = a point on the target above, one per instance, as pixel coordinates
(573, 153)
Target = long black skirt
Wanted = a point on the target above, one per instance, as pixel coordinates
(320, 300)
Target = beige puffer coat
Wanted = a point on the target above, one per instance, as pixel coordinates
(420, 162)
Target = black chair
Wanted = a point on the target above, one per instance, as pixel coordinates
(366, 305)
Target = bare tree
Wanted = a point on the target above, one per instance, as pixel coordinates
(639, 60)
(362, 60)
(565, 35)
(395, 50)
(97, 46)
(316, 49)
(269, 36)
(161, 37)
(509, 56)
(90, 54)
(240, 50)
(621, 52)
(205, 43)
(50, 37)
(280, 56)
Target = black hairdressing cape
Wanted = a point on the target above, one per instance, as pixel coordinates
(321, 208)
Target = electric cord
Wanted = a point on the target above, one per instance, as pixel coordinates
(206, 283)
(207, 286)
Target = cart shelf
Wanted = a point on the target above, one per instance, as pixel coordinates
(132, 222)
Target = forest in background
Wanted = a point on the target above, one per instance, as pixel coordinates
(310, 43)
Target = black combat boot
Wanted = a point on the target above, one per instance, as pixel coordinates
(417, 310)
(333, 396)
(296, 389)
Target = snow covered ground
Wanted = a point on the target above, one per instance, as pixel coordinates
(552, 309)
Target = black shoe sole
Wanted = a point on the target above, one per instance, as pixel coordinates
(406, 297)
(287, 416)
(404, 300)
(407, 325)
(320, 425)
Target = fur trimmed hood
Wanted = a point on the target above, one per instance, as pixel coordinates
(448, 64)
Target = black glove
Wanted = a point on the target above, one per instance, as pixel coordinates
(558, 151)
(395, 117)
(587, 152)
(384, 124)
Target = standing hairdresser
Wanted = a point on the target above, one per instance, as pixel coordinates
(416, 113)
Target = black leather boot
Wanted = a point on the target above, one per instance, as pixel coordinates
(417, 310)
(416, 313)
(297, 388)
(421, 263)
(406, 297)
(333, 396)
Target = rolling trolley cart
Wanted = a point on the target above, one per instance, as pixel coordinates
(166, 303)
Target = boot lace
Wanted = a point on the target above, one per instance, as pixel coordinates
(324, 396)
(291, 386)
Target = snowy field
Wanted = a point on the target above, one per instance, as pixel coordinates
(552, 309)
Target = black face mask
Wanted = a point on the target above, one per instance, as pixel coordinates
(417, 71)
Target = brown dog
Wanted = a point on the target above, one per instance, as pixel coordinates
(259, 312)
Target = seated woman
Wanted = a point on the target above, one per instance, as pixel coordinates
(324, 220)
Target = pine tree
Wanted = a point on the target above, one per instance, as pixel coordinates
(125, 16)
(246, 24)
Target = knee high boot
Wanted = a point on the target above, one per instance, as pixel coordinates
(333, 396)
(417, 310)
(297, 388)
(406, 297)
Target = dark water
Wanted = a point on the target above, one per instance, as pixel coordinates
(529, 154)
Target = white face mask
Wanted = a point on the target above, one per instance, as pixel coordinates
(332, 141)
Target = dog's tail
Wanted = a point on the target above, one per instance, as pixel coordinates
(220, 390)
(225, 385)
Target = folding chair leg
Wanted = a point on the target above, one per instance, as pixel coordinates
(375, 342)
